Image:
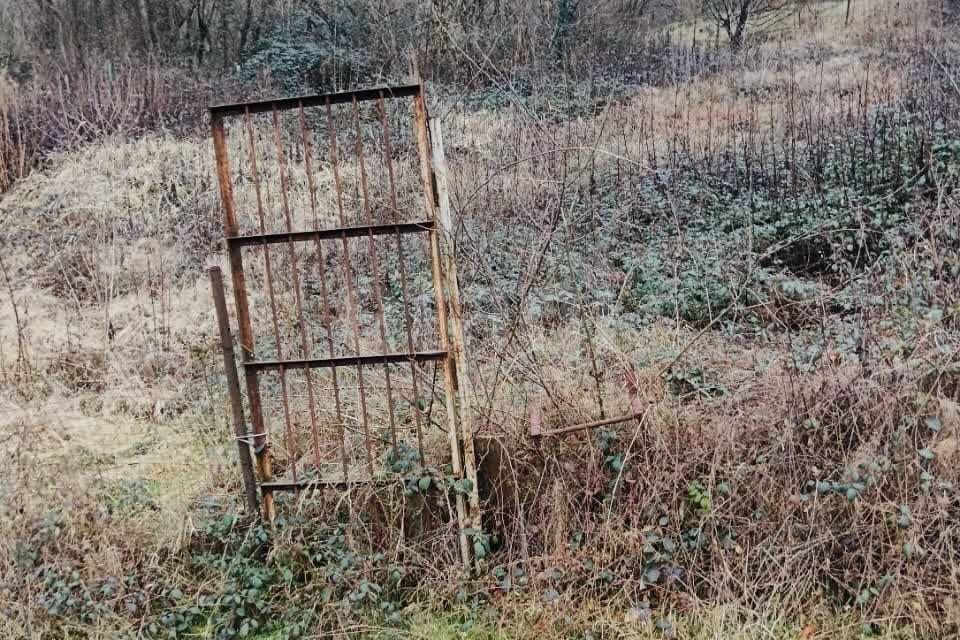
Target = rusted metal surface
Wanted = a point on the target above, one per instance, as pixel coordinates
(375, 266)
(300, 485)
(536, 431)
(231, 229)
(341, 97)
(271, 295)
(348, 278)
(331, 339)
(401, 254)
(347, 361)
(407, 320)
(358, 231)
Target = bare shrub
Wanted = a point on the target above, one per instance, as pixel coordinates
(61, 112)
(733, 16)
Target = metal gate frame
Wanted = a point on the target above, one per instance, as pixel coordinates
(437, 224)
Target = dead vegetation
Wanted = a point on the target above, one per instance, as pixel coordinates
(759, 249)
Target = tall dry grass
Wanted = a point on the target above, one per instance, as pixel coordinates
(796, 447)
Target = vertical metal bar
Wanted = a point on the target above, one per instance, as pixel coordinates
(426, 175)
(321, 266)
(268, 272)
(231, 229)
(233, 388)
(295, 274)
(407, 319)
(351, 295)
(445, 221)
(375, 266)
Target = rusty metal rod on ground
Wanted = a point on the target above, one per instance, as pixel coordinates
(340, 97)
(233, 387)
(539, 433)
(355, 231)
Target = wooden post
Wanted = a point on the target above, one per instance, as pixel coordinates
(233, 387)
(231, 229)
(445, 220)
(449, 362)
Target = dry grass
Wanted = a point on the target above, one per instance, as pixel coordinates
(121, 382)
(816, 22)
(529, 620)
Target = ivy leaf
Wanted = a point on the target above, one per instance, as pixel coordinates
(479, 551)
(463, 486)
(934, 424)
(424, 483)
(905, 519)
(666, 628)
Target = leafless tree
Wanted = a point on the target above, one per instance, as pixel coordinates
(733, 16)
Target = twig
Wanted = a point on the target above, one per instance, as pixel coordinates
(21, 343)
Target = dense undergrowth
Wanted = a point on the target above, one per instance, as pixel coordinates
(779, 298)
(750, 239)
(830, 481)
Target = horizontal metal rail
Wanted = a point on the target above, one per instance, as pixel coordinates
(359, 231)
(300, 485)
(345, 361)
(340, 97)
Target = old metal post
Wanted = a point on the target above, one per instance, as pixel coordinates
(231, 229)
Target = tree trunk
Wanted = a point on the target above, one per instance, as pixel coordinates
(736, 39)
(244, 30)
(736, 35)
(149, 36)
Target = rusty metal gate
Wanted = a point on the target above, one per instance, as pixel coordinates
(352, 334)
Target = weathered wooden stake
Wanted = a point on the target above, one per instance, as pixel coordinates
(449, 362)
(447, 251)
(233, 387)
